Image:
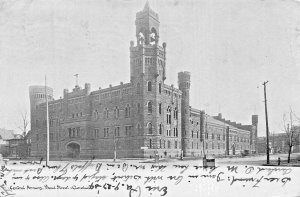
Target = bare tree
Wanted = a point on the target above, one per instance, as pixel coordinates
(25, 123)
(291, 132)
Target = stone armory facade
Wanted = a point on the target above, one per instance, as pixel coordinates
(139, 119)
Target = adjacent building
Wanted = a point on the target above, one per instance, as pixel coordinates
(140, 118)
(279, 142)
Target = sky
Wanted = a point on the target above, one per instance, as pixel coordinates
(230, 47)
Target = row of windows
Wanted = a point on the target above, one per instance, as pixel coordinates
(129, 128)
(128, 111)
(231, 138)
(175, 132)
(222, 146)
(42, 96)
(97, 134)
(74, 132)
(116, 112)
(162, 144)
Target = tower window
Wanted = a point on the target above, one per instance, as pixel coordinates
(169, 115)
(175, 113)
(149, 85)
(149, 107)
(160, 129)
(149, 128)
(159, 88)
(159, 108)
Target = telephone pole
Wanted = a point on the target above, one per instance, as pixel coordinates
(267, 124)
(47, 119)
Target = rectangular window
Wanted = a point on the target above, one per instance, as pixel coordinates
(128, 130)
(117, 131)
(159, 108)
(77, 131)
(97, 133)
(106, 130)
(176, 144)
(159, 88)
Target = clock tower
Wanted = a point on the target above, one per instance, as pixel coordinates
(148, 72)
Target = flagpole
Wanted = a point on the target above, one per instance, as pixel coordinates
(47, 120)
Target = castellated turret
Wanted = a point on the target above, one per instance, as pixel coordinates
(184, 81)
(37, 95)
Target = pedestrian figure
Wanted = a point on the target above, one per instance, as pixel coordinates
(279, 161)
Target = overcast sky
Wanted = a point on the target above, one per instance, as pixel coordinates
(229, 46)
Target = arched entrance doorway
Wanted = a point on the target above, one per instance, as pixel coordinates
(73, 150)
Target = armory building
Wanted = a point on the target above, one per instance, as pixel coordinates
(140, 118)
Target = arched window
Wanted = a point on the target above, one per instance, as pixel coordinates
(169, 115)
(106, 113)
(116, 112)
(149, 86)
(127, 111)
(149, 107)
(150, 128)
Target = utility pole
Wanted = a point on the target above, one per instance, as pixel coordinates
(267, 124)
(47, 119)
(203, 129)
(115, 147)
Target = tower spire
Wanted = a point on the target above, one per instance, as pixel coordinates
(147, 7)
